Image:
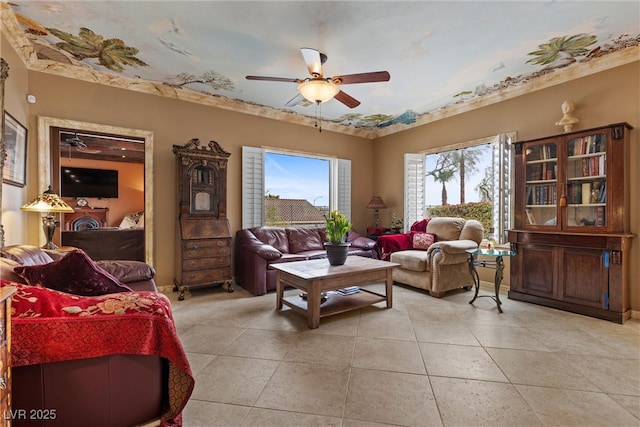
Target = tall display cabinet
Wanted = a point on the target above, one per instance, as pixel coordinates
(571, 224)
(203, 255)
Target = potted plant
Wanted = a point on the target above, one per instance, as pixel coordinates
(337, 226)
(396, 223)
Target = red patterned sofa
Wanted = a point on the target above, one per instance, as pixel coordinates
(102, 360)
(257, 248)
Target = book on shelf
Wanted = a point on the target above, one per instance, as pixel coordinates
(574, 193)
(587, 145)
(586, 193)
(602, 196)
(348, 290)
(600, 216)
(534, 171)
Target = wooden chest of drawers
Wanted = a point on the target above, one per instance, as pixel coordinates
(5, 355)
(204, 258)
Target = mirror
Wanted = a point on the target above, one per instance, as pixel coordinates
(49, 161)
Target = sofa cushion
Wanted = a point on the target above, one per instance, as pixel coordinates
(304, 239)
(289, 258)
(411, 260)
(472, 230)
(75, 273)
(422, 241)
(128, 270)
(389, 243)
(6, 270)
(446, 228)
(26, 254)
(274, 236)
(359, 241)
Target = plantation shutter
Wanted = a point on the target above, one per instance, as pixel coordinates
(252, 187)
(343, 189)
(414, 208)
(501, 185)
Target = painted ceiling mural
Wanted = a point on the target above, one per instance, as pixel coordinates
(438, 53)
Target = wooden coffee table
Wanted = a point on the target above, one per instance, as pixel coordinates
(316, 277)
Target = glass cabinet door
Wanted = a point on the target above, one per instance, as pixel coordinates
(541, 184)
(587, 181)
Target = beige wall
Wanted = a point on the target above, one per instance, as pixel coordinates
(608, 97)
(377, 166)
(15, 222)
(176, 122)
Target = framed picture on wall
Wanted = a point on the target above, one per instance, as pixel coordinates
(15, 141)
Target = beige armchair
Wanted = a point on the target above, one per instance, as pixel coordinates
(444, 265)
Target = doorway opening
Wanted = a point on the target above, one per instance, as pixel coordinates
(103, 143)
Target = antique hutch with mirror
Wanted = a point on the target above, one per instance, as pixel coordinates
(203, 253)
(571, 222)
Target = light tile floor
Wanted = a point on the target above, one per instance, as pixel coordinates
(425, 362)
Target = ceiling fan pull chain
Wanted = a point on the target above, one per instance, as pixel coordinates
(316, 113)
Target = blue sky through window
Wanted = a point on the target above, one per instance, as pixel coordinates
(297, 177)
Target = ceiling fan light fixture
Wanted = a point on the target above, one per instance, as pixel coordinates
(318, 90)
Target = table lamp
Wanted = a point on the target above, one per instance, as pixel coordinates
(48, 203)
(376, 203)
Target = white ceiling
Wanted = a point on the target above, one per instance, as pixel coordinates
(440, 54)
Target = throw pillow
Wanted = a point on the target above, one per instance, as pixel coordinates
(75, 273)
(130, 220)
(422, 241)
(140, 222)
(420, 225)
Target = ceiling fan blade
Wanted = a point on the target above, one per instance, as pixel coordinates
(74, 141)
(88, 150)
(274, 79)
(347, 100)
(375, 76)
(295, 101)
(314, 61)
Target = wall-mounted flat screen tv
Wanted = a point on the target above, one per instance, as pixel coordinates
(85, 182)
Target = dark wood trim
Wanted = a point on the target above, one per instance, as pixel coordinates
(570, 307)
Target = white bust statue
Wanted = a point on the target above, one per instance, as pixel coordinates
(567, 119)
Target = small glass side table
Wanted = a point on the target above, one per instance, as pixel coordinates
(496, 263)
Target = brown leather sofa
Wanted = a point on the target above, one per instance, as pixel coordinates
(115, 390)
(257, 248)
(135, 274)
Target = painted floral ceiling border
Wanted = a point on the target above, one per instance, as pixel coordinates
(566, 53)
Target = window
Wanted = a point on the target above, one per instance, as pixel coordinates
(315, 181)
(476, 172)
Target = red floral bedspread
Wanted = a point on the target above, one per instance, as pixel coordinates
(51, 326)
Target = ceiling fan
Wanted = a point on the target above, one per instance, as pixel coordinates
(78, 144)
(318, 88)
